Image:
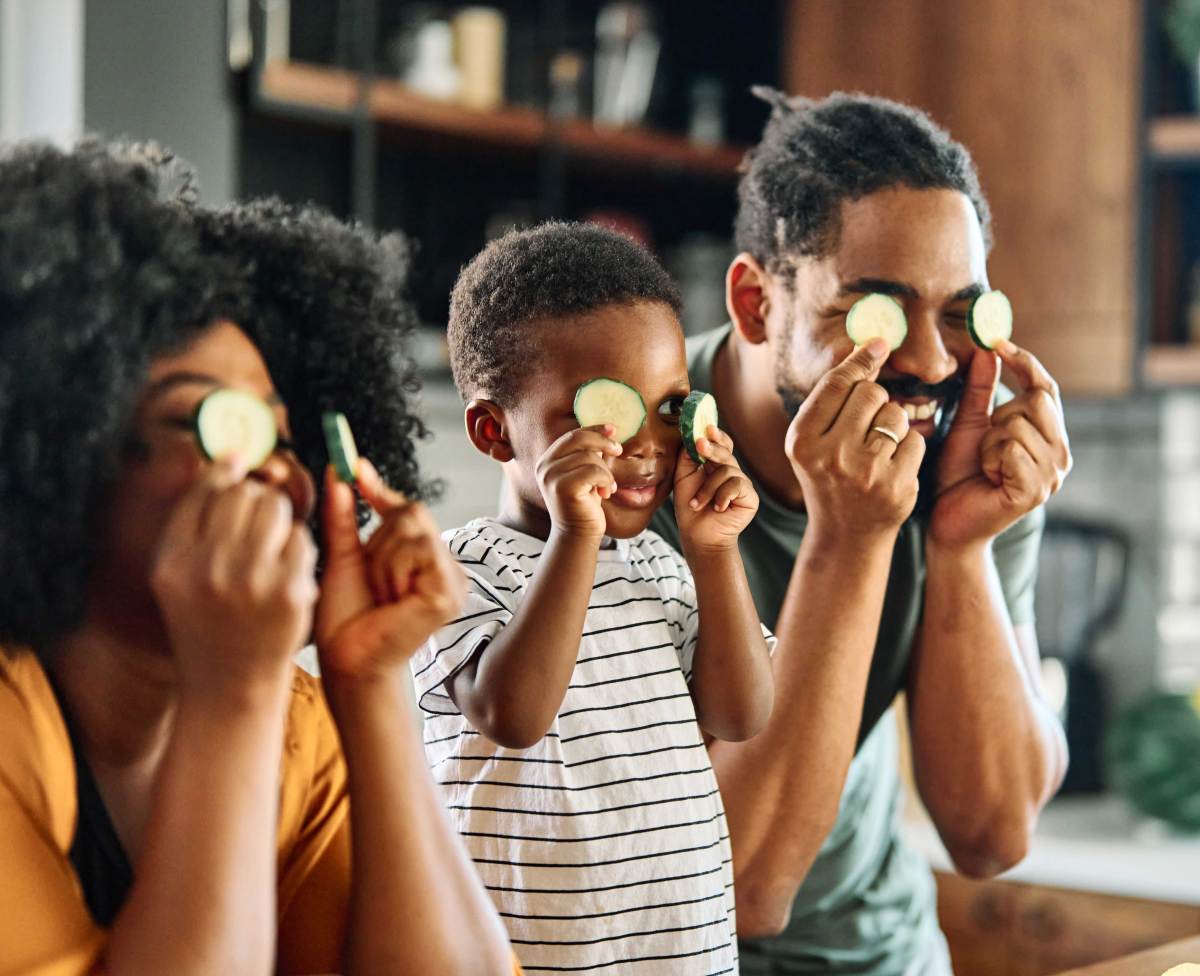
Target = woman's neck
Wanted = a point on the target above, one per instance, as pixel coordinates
(120, 691)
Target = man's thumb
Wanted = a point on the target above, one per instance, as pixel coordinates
(979, 394)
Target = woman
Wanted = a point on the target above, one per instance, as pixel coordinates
(174, 795)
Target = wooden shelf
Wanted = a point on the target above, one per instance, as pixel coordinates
(392, 105)
(1175, 139)
(1172, 366)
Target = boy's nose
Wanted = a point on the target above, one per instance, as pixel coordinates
(644, 444)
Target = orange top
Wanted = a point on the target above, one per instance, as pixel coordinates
(45, 927)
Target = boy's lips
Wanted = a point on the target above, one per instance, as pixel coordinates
(637, 492)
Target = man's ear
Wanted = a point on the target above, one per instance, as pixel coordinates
(486, 428)
(746, 298)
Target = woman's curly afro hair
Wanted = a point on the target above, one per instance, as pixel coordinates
(813, 155)
(101, 274)
(329, 311)
(97, 278)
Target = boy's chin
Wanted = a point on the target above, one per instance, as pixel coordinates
(625, 523)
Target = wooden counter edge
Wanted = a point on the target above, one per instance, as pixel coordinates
(1152, 962)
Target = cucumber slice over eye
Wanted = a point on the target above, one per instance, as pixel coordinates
(230, 422)
(990, 319)
(877, 316)
(605, 401)
(698, 414)
(339, 441)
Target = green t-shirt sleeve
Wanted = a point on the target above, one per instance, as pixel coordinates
(1015, 552)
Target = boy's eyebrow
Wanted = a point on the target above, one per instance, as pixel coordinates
(186, 378)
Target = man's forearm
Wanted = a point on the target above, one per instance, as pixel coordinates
(782, 789)
(987, 751)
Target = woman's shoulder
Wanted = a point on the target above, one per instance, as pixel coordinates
(36, 765)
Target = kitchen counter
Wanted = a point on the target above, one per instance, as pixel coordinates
(1095, 844)
(1152, 962)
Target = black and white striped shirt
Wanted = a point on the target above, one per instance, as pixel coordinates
(604, 846)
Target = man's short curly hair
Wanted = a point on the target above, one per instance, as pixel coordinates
(100, 275)
(525, 278)
(816, 154)
(330, 313)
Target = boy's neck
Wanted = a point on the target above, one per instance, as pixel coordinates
(523, 517)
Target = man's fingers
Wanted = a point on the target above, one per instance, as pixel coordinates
(822, 406)
(910, 453)
(890, 417)
(1042, 410)
(1027, 368)
(858, 415)
(979, 392)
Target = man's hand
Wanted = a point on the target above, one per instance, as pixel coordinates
(714, 502)
(997, 467)
(857, 481)
(382, 600)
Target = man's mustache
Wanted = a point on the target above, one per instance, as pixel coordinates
(912, 388)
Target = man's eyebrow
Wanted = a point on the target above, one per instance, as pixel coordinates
(971, 291)
(882, 286)
(186, 378)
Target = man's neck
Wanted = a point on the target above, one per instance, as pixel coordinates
(752, 415)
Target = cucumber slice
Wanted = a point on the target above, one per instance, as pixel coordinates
(230, 422)
(877, 316)
(339, 441)
(990, 319)
(605, 401)
(698, 414)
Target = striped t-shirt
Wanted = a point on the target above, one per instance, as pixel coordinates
(604, 845)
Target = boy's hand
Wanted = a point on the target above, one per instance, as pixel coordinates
(714, 502)
(382, 600)
(575, 480)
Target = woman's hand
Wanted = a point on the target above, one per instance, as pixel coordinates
(381, 600)
(234, 579)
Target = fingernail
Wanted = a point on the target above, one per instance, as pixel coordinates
(694, 503)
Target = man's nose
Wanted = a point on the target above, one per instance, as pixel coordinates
(923, 353)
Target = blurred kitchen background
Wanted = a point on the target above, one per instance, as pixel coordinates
(456, 122)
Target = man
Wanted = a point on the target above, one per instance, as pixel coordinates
(870, 590)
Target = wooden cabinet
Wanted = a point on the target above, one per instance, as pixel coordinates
(1047, 98)
(1001, 927)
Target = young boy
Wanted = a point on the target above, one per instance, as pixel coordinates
(565, 706)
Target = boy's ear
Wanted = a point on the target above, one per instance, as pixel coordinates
(486, 428)
(746, 298)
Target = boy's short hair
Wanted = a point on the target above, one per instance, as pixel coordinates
(525, 278)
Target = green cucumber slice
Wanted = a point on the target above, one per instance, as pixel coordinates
(230, 422)
(698, 414)
(339, 441)
(605, 401)
(877, 316)
(990, 319)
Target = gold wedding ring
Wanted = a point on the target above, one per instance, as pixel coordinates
(890, 435)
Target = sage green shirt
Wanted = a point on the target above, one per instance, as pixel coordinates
(868, 905)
